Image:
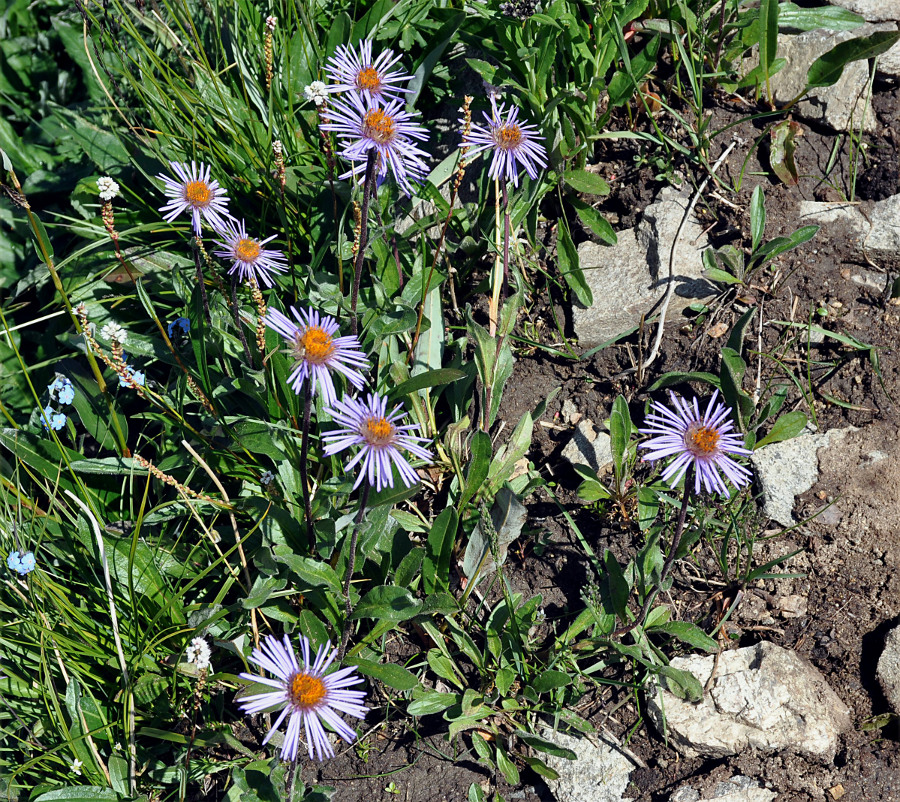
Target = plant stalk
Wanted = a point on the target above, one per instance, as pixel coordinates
(304, 470)
(368, 186)
(351, 565)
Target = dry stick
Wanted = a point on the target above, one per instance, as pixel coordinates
(667, 566)
(304, 472)
(670, 286)
(351, 564)
(236, 310)
(368, 185)
(505, 288)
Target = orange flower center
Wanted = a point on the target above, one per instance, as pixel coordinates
(247, 250)
(306, 692)
(315, 345)
(198, 194)
(702, 441)
(509, 137)
(378, 431)
(379, 125)
(368, 79)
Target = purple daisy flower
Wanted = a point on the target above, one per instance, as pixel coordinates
(369, 425)
(702, 440)
(317, 352)
(193, 190)
(513, 143)
(306, 693)
(249, 258)
(366, 125)
(352, 72)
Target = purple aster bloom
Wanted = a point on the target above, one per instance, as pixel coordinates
(369, 425)
(513, 143)
(317, 352)
(306, 693)
(247, 254)
(366, 125)
(702, 440)
(352, 72)
(194, 191)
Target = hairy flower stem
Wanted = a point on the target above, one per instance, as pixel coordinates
(670, 559)
(368, 186)
(505, 287)
(351, 565)
(198, 244)
(304, 470)
(236, 311)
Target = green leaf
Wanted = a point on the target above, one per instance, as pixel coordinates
(390, 674)
(543, 745)
(591, 490)
(479, 465)
(387, 602)
(570, 266)
(584, 181)
(431, 378)
(786, 427)
(507, 767)
(432, 702)
(780, 245)
(736, 338)
(682, 684)
(617, 586)
(315, 574)
(438, 551)
(539, 767)
(595, 221)
(550, 680)
(833, 18)
(768, 40)
(827, 69)
(409, 567)
(717, 274)
(731, 375)
(687, 633)
(757, 216)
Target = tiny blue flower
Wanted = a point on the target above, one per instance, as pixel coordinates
(23, 564)
(56, 419)
(181, 323)
(62, 390)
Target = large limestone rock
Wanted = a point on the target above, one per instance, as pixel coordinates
(872, 10)
(889, 668)
(629, 279)
(875, 231)
(762, 696)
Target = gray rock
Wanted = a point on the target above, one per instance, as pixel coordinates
(737, 789)
(599, 774)
(763, 697)
(843, 106)
(872, 10)
(785, 470)
(589, 447)
(876, 231)
(630, 278)
(888, 670)
(884, 238)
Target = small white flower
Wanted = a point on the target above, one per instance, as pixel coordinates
(267, 478)
(277, 147)
(198, 653)
(109, 189)
(113, 331)
(271, 22)
(76, 766)
(317, 92)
